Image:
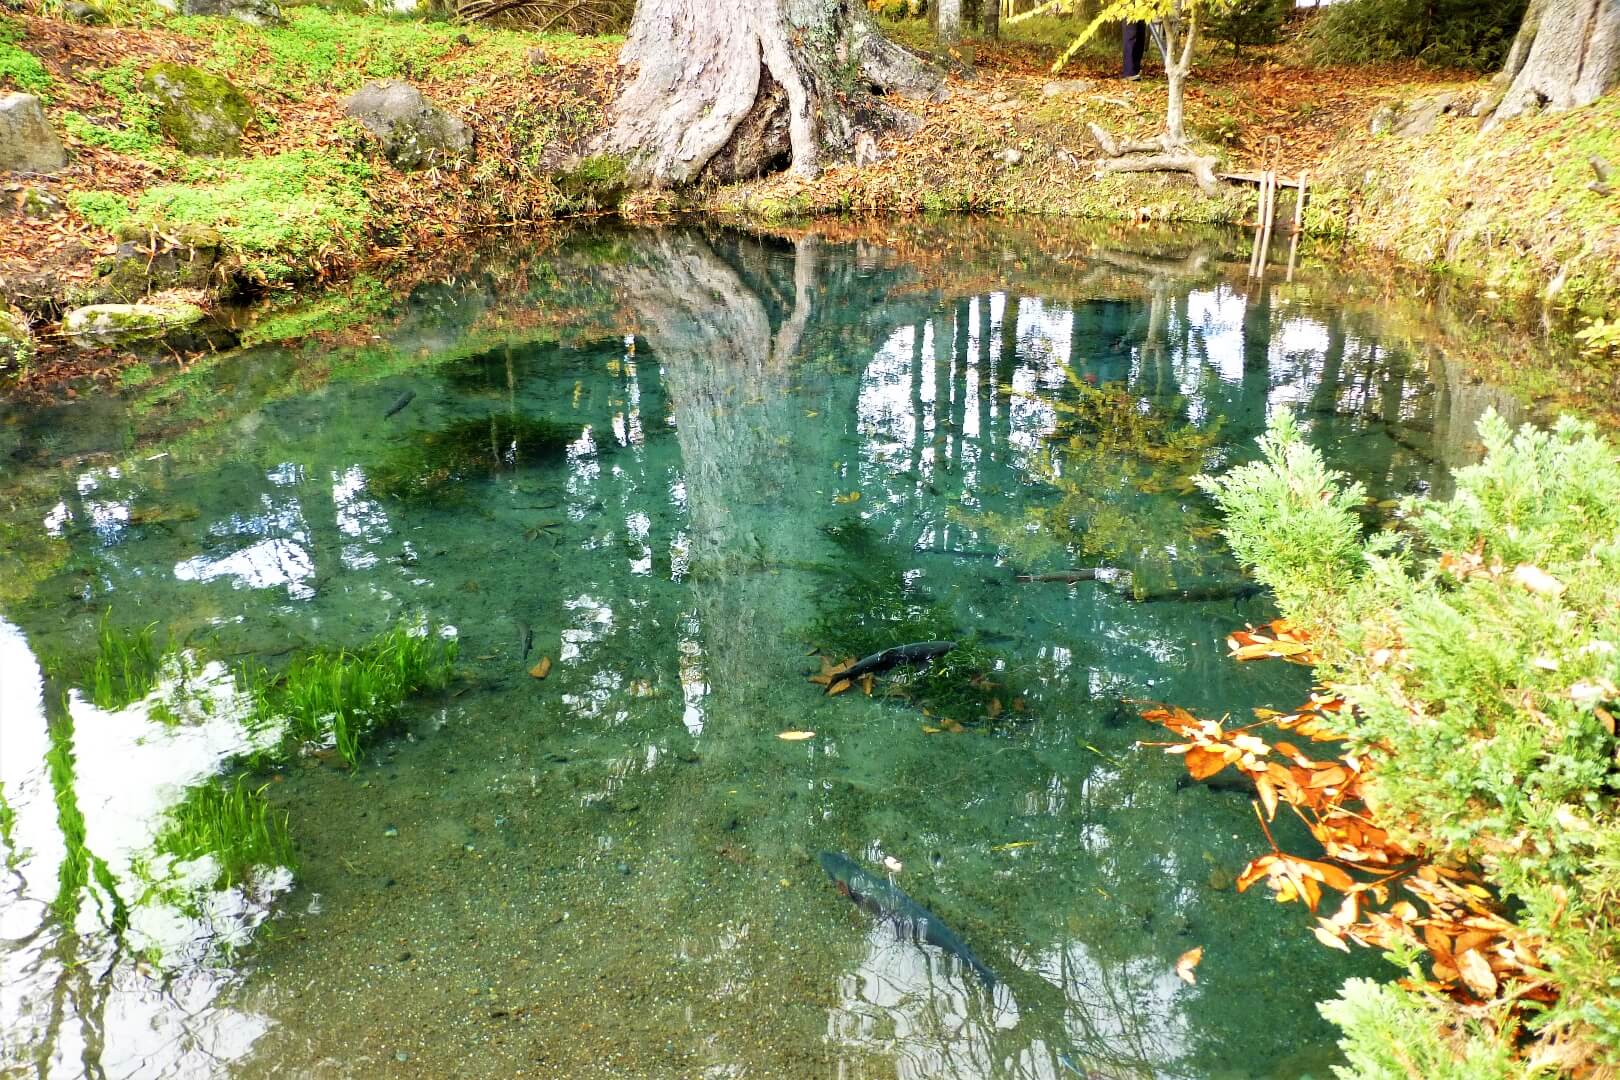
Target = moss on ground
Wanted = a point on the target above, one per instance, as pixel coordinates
(281, 213)
(19, 68)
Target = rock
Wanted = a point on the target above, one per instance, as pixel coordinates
(252, 12)
(414, 133)
(1066, 87)
(1383, 120)
(146, 262)
(1011, 156)
(27, 143)
(80, 12)
(537, 57)
(1069, 159)
(32, 203)
(200, 113)
(16, 342)
(117, 322)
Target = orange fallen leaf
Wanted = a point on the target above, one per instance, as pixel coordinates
(795, 736)
(838, 687)
(542, 669)
(1187, 962)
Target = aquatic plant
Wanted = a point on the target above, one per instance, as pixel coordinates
(430, 464)
(233, 824)
(8, 829)
(126, 665)
(341, 698)
(876, 608)
(78, 861)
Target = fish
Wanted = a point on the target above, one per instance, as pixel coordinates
(883, 899)
(1237, 590)
(1084, 573)
(918, 652)
(400, 402)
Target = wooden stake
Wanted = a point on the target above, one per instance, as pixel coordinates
(1299, 203)
(1271, 211)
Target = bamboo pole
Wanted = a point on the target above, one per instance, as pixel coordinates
(1299, 203)
(1270, 215)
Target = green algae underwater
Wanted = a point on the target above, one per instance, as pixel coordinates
(680, 465)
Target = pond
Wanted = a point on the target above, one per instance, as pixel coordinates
(642, 489)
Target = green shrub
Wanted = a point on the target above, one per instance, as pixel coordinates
(1442, 33)
(1481, 651)
(1250, 22)
(1394, 1034)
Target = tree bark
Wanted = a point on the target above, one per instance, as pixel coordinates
(991, 19)
(729, 89)
(950, 21)
(1566, 54)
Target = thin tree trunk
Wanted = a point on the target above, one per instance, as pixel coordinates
(1566, 54)
(949, 29)
(727, 89)
(992, 19)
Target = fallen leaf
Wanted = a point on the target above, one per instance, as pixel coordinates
(795, 736)
(1186, 962)
(1476, 972)
(838, 687)
(542, 669)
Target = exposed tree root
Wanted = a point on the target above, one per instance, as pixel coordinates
(1161, 155)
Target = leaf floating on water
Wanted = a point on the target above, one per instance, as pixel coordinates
(795, 736)
(838, 687)
(1014, 846)
(842, 500)
(542, 669)
(892, 864)
(866, 684)
(1187, 962)
(930, 730)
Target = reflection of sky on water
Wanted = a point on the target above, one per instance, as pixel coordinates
(80, 997)
(650, 637)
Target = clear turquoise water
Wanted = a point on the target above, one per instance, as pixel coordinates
(612, 871)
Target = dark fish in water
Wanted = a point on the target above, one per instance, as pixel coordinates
(883, 899)
(1238, 590)
(526, 637)
(1084, 573)
(918, 652)
(403, 400)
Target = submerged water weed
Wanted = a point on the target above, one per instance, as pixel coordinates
(340, 698)
(431, 464)
(877, 609)
(8, 830)
(127, 664)
(231, 823)
(78, 861)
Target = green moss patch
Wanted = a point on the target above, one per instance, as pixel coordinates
(19, 68)
(279, 213)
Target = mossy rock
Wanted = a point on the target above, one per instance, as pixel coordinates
(116, 323)
(599, 182)
(16, 342)
(148, 260)
(201, 114)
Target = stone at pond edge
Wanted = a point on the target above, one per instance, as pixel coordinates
(16, 342)
(146, 262)
(412, 131)
(252, 12)
(27, 142)
(35, 204)
(118, 322)
(200, 113)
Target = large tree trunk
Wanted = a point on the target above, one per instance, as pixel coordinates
(950, 21)
(1566, 54)
(728, 89)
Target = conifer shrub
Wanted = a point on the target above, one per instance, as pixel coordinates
(1480, 647)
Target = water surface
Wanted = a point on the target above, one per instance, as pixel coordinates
(685, 459)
